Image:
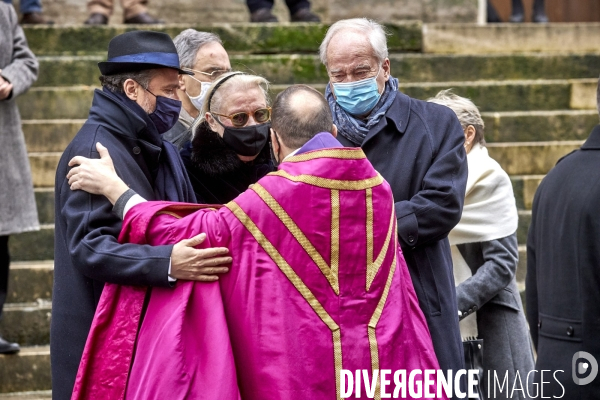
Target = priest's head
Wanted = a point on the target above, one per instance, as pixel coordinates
(299, 113)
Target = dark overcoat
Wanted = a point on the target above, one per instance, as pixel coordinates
(418, 147)
(87, 253)
(563, 269)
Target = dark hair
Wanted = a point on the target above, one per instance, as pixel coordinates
(297, 120)
(115, 82)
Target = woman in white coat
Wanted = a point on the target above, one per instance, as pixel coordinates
(485, 256)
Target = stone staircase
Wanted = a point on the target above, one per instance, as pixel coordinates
(537, 105)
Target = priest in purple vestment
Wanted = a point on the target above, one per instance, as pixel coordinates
(318, 282)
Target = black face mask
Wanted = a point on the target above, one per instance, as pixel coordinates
(247, 141)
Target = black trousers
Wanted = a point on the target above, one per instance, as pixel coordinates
(4, 262)
(293, 5)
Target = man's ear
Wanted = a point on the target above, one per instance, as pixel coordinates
(130, 87)
(334, 130)
(181, 83)
(386, 69)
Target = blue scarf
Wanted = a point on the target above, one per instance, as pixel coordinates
(355, 129)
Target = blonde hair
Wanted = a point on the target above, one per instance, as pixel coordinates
(465, 110)
(236, 79)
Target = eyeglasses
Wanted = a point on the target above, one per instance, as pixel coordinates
(212, 75)
(240, 119)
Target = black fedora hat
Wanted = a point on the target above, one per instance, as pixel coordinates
(140, 50)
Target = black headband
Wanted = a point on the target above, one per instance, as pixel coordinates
(222, 81)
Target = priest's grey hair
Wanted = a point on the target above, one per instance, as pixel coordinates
(374, 31)
(189, 42)
(465, 110)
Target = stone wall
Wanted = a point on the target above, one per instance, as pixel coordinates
(206, 12)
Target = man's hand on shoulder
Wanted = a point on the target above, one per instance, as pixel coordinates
(190, 264)
(96, 176)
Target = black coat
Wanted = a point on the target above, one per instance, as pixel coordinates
(87, 253)
(563, 268)
(418, 148)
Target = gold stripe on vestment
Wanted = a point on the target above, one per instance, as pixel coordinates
(374, 267)
(341, 154)
(333, 184)
(306, 244)
(295, 280)
(370, 244)
(377, 315)
(335, 238)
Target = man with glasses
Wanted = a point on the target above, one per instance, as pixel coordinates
(418, 148)
(137, 104)
(203, 54)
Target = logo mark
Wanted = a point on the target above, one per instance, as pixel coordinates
(583, 367)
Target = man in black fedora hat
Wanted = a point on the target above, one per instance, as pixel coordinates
(137, 103)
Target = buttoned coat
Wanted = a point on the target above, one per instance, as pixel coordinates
(418, 148)
(19, 66)
(87, 253)
(563, 270)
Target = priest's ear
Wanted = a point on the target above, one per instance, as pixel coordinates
(334, 130)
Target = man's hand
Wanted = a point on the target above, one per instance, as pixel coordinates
(5, 88)
(96, 176)
(190, 264)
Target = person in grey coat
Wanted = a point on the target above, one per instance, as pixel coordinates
(485, 256)
(18, 71)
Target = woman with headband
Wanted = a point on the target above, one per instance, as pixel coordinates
(228, 152)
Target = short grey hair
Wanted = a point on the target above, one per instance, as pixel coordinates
(115, 82)
(466, 111)
(376, 34)
(189, 42)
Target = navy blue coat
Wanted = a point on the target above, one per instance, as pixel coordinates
(418, 147)
(87, 253)
(563, 272)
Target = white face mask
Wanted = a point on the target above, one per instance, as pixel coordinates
(198, 101)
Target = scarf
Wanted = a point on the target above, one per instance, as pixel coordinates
(489, 213)
(353, 129)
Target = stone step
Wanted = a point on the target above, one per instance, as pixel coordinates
(409, 68)
(30, 281)
(530, 158)
(44, 199)
(43, 168)
(545, 104)
(506, 38)
(524, 143)
(242, 38)
(532, 126)
(33, 246)
(524, 187)
(27, 323)
(35, 395)
(488, 95)
(28, 370)
(524, 222)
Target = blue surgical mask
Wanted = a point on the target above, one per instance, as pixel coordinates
(166, 114)
(357, 98)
